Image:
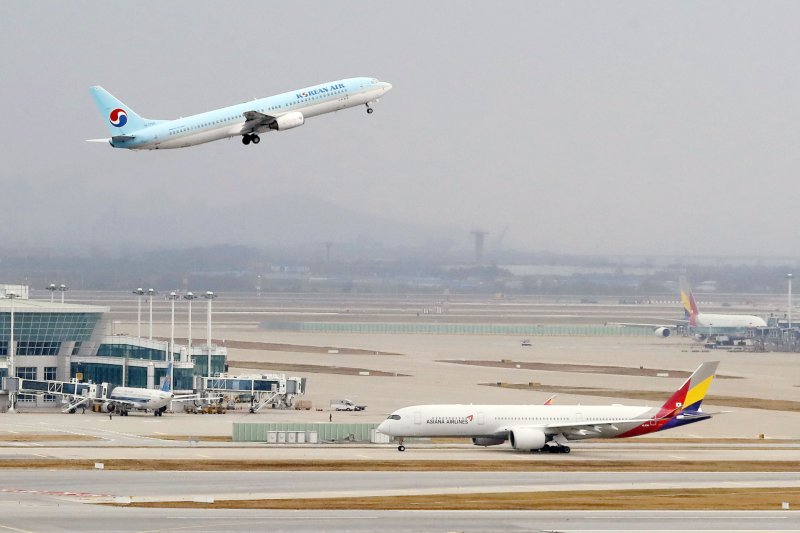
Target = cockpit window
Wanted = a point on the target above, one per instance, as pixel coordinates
(393, 417)
(373, 81)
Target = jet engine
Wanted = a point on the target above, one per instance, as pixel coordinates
(487, 441)
(527, 438)
(663, 332)
(288, 121)
(108, 407)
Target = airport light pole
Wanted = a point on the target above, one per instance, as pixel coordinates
(189, 296)
(12, 370)
(52, 288)
(139, 293)
(209, 296)
(789, 278)
(172, 297)
(150, 294)
(62, 289)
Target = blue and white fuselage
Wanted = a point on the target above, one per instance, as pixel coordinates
(280, 112)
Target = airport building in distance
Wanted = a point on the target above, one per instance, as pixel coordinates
(61, 341)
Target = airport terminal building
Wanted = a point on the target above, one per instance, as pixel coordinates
(61, 341)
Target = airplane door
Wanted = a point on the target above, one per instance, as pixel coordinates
(417, 417)
(481, 419)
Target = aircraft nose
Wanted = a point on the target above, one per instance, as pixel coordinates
(383, 427)
(387, 86)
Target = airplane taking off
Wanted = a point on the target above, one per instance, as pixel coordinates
(279, 112)
(551, 427)
(703, 323)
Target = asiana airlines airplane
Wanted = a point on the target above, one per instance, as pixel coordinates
(247, 120)
(550, 427)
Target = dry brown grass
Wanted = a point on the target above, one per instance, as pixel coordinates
(536, 464)
(656, 396)
(586, 369)
(201, 438)
(314, 369)
(715, 499)
(47, 437)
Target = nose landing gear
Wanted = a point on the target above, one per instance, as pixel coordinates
(369, 109)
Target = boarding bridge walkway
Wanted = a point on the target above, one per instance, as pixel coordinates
(270, 389)
(76, 393)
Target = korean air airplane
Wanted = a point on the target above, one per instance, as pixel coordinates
(550, 427)
(280, 112)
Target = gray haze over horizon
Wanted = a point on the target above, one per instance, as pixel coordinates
(582, 127)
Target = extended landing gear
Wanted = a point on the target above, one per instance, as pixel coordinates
(250, 138)
(369, 109)
(401, 448)
(558, 449)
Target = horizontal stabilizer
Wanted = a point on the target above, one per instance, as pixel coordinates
(97, 140)
(120, 138)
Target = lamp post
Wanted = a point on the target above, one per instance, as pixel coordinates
(52, 288)
(150, 294)
(189, 296)
(789, 278)
(172, 297)
(209, 296)
(12, 370)
(139, 293)
(62, 289)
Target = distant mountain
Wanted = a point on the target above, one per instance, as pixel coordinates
(287, 220)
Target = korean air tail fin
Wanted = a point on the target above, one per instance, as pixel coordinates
(167, 385)
(688, 301)
(121, 119)
(692, 392)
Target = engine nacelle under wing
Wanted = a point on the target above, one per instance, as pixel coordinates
(663, 331)
(288, 121)
(108, 407)
(527, 438)
(487, 441)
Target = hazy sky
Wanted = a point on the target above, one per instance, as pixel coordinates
(603, 127)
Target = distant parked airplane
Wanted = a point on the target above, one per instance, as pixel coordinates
(702, 323)
(279, 112)
(550, 427)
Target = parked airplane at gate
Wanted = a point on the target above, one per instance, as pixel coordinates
(704, 324)
(279, 112)
(551, 427)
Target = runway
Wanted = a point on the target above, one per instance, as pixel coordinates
(59, 517)
(99, 486)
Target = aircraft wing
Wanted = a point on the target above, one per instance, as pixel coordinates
(255, 120)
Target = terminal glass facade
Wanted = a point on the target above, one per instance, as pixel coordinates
(201, 365)
(97, 373)
(48, 326)
(131, 351)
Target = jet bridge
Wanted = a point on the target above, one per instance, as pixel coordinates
(268, 389)
(75, 393)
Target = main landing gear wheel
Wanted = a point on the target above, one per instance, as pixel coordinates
(255, 139)
(245, 139)
(401, 448)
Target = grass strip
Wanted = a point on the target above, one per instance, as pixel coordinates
(713, 499)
